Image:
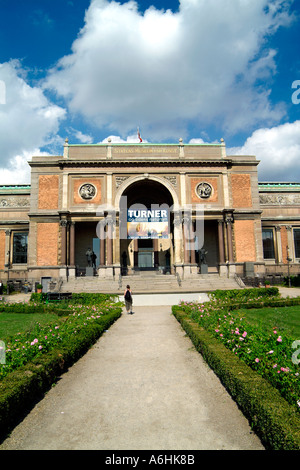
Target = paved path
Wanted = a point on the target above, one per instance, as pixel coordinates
(141, 386)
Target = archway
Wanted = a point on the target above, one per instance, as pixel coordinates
(146, 226)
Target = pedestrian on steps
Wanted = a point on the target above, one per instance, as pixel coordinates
(128, 299)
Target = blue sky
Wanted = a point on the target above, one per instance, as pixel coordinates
(196, 69)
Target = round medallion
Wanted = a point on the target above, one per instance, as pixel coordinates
(204, 190)
(87, 191)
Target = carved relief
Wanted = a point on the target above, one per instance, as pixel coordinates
(87, 191)
(120, 180)
(279, 199)
(172, 180)
(204, 190)
(14, 202)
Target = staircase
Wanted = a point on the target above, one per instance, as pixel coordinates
(149, 282)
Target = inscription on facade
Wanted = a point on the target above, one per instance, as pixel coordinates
(146, 150)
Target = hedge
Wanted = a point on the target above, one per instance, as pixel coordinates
(274, 420)
(24, 387)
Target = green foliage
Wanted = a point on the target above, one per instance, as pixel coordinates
(275, 421)
(258, 371)
(35, 358)
(295, 281)
(255, 293)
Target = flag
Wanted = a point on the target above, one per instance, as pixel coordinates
(139, 135)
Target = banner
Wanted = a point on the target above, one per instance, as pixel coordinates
(146, 223)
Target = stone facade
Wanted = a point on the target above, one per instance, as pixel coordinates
(79, 200)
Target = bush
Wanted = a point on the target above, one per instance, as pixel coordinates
(35, 359)
(275, 421)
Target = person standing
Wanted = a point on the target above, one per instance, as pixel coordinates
(128, 299)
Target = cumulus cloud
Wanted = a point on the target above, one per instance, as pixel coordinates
(277, 148)
(28, 121)
(162, 70)
(17, 170)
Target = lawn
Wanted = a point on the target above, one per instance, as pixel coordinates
(285, 319)
(14, 323)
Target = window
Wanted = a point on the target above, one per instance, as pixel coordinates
(20, 242)
(297, 242)
(268, 243)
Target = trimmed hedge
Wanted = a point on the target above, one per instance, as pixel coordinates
(85, 298)
(21, 389)
(275, 421)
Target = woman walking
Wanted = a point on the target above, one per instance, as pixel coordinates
(128, 299)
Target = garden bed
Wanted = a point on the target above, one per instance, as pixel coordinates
(35, 359)
(254, 365)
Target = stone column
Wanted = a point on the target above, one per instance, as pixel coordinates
(72, 243)
(72, 268)
(192, 244)
(177, 238)
(102, 251)
(109, 242)
(290, 244)
(229, 221)
(186, 245)
(7, 258)
(63, 224)
(278, 244)
(186, 239)
(221, 242)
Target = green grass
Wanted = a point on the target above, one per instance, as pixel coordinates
(287, 319)
(14, 323)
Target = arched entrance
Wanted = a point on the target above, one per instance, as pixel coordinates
(146, 225)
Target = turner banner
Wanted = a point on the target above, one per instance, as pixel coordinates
(146, 223)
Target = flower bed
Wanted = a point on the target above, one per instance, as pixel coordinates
(35, 359)
(266, 353)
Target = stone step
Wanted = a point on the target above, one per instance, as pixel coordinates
(145, 283)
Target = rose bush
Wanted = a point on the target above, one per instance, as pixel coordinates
(267, 351)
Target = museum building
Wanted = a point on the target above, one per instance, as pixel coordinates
(181, 209)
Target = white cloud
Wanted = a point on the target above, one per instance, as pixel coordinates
(27, 119)
(131, 139)
(278, 149)
(161, 70)
(18, 171)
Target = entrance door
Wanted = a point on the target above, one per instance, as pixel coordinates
(145, 258)
(145, 254)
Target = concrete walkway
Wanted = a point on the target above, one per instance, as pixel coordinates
(142, 386)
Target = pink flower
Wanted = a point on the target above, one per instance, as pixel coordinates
(244, 334)
(279, 339)
(257, 360)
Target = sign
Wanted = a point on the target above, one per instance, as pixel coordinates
(147, 223)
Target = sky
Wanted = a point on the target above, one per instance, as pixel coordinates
(193, 69)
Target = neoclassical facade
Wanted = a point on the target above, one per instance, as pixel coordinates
(177, 208)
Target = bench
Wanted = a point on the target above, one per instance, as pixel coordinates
(58, 296)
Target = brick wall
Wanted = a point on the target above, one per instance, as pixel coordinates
(48, 191)
(241, 190)
(244, 240)
(47, 244)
